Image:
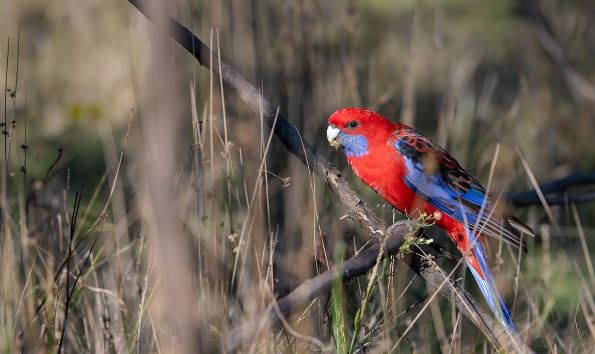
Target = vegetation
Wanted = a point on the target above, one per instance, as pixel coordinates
(146, 208)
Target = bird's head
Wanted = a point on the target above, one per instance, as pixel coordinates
(356, 129)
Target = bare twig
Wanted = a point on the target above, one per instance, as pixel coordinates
(313, 287)
(75, 213)
(357, 209)
(552, 190)
(37, 187)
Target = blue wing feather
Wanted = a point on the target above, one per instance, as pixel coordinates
(453, 191)
(474, 196)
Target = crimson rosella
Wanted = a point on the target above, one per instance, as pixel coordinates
(418, 177)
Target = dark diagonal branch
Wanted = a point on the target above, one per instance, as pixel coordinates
(313, 287)
(543, 31)
(556, 192)
(436, 280)
(357, 209)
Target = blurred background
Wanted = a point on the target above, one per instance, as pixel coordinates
(136, 216)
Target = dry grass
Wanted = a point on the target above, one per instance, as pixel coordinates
(193, 217)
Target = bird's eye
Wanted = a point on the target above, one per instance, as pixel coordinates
(352, 125)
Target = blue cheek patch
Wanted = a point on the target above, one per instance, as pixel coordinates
(354, 145)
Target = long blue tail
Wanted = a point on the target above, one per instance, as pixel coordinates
(488, 287)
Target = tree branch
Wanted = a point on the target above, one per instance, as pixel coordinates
(357, 209)
(436, 280)
(551, 189)
(313, 287)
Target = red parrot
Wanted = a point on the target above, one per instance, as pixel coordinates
(416, 176)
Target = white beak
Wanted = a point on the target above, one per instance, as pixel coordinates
(331, 133)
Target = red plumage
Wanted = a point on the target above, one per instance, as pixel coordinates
(417, 176)
(383, 169)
